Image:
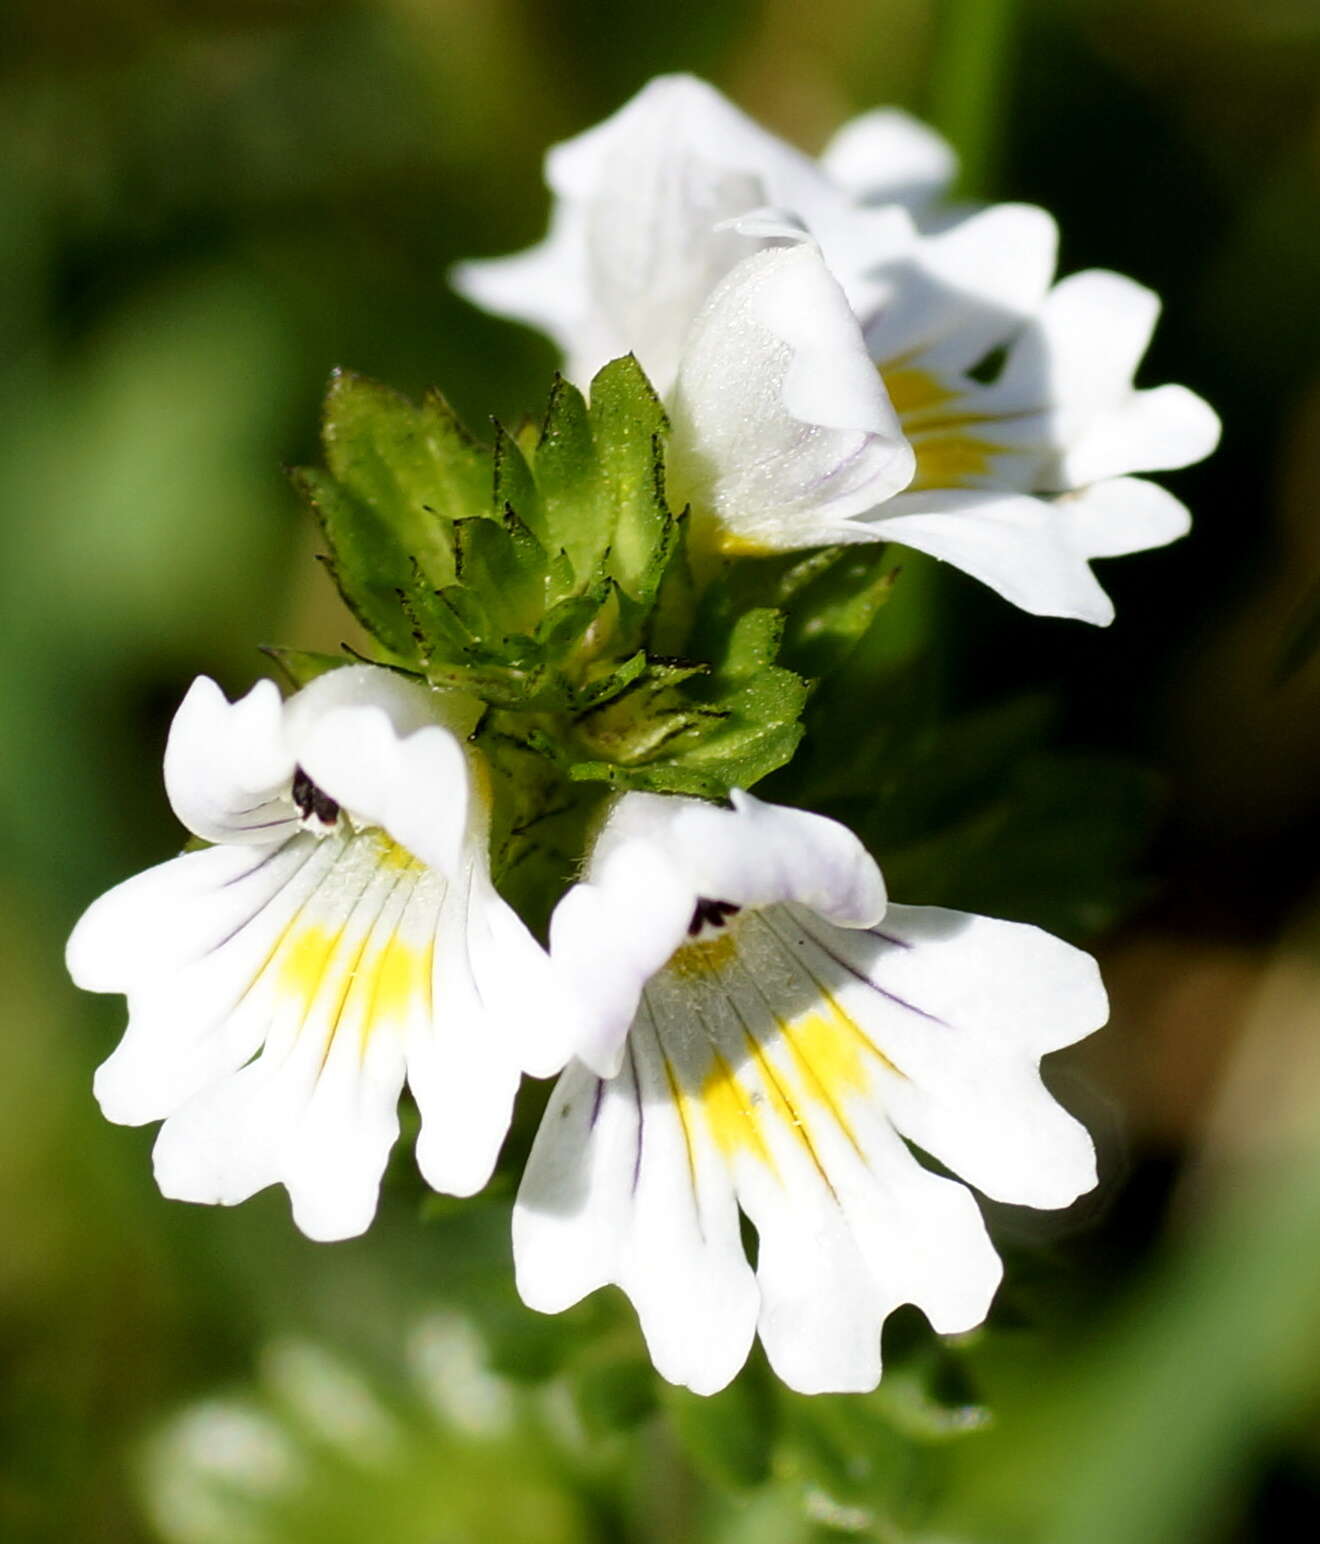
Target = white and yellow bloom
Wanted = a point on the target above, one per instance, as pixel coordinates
(768, 1036)
(342, 934)
(1019, 481)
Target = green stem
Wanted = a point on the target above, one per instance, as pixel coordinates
(969, 84)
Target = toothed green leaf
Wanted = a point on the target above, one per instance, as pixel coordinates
(629, 426)
(503, 563)
(367, 563)
(407, 465)
(515, 486)
(579, 519)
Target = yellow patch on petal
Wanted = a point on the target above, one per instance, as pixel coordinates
(735, 1115)
(942, 432)
(799, 1081)
(399, 974)
(304, 958)
(706, 956)
(915, 391)
(388, 975)
(382, 973)
(828, 1050)
(734, 544)
(388, 853)
(950, 459)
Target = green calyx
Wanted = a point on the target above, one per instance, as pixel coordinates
(547, 576)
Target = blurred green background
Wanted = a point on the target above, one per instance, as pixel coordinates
(206, 204)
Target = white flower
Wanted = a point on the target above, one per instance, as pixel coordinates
(341, 935)
(1019, 481)
(666, 242)
(640, 233)
(766, 1035)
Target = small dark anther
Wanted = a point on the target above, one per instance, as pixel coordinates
(310, 802)
(710, 914)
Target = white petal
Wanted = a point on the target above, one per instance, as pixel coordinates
(1077, 359)
(957, 294)
(227, 766)
(523, 995)
(634, 249)
(963, 1007)
(752, 854)
(887, 156)
(658, 184)
(316, 1109)
(618, 1189)
(850, 1226)
(1121, 515)
(610, 934)
(407, 704)
(657, 162)
(577, 1192)
(199, 935)
(388, 750)
(462, 1067)
(1150, 431)
(150, 923)
(781, 428)
(1084, 346)
(684, 1268)
(1014, 543)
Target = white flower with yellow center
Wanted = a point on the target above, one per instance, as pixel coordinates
(342, 934)
(1019, 480)
(767, 1037)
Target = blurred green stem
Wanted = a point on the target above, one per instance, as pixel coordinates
(969, 84)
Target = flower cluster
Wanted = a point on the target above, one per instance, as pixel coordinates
(565, 709)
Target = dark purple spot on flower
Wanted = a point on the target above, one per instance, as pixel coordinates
(311, 803)
(710, 914)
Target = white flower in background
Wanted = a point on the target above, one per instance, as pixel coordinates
(782, 432)
(640, 228)
(342, 934)
(766, 1033)
(1019, 480)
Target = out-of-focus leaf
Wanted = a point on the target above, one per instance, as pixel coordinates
(729, 1436)
(1301, 639)
(614, 1394)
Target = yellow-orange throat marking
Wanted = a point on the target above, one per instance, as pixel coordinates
(949, 454)
(827, 1060)
(388, 973)
(705, 956)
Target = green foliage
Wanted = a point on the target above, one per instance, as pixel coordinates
(548, 577)
(730, 1436)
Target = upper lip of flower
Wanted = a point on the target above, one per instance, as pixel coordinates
(643, 890)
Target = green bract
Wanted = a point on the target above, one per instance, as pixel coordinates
(547, 576)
